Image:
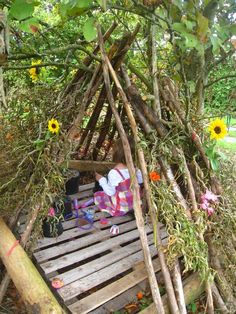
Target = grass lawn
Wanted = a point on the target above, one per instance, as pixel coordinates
(231, 147)
(232, 121)
(226, 143)
(232, 133)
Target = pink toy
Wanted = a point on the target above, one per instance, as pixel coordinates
(57, 283)
(104, 221)
(114, 230)
(87, 203)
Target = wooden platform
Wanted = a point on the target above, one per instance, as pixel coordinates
(98, 269)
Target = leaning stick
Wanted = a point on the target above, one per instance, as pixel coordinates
(131, 168)
(165, 271)
(156, 101)
(24, 238)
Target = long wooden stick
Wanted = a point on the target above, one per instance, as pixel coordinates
(87, 61)
(165, 271)
(178, 287)
(131, 168)
(156, 102)
(24, 238)
(34, 291)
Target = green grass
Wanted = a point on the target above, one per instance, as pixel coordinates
(226, 146)
(232, 133)
(232, 121)
(223, 144)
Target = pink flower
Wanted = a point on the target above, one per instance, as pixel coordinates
(51, 212)
(210, 211)
(204, 205)
(209, 196)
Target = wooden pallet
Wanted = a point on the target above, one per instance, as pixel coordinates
(95, 266)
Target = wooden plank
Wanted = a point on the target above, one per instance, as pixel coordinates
(85, 284)
(85, 187)
(101, 262)
(75, 232)
(98, 248)
(84, 194)
(112, 290)
(69, 224)
(193, 287)
(90, 165)
(121, 301)
(79, 243)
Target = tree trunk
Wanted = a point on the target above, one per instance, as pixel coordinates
(34, 291)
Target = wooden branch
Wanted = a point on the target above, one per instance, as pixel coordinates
(210, 305)
(171, 180)
(156, 102)
(24, 238)
(53, 52)
(219, 303)
(179, 291)
(86, 98)
(139, 74)
(164, 268)
(31, 286)
(142, 119)
(104, 129)
(94, 117)
(118, 51)
(137, 101)
(48, 64)
(87, 61)
(90, 165)
(131, 168)
(219, 79)
(165, 271)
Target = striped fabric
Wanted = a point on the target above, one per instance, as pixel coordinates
(118, 204)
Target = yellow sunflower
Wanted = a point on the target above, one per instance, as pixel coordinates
(34, 72)
(218, 129)
(53, 126)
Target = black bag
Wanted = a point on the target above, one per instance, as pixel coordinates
(72, 185)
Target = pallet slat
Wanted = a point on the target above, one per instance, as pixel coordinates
(75, 257)
(112, 290)
(99, 263)
(79, 243)
(94, 265)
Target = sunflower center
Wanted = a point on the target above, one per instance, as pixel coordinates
(53, 125)
(217, 130)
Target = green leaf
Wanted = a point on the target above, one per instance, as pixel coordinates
(189, 24)
(21, 9)
(179, 27)
(194, 307)
(89, 30)
(191, 41)
(202, 27)
(214, 164)
(83, 3)
(103, 4)
(39, 143)
(231, 29)
(178, 3)
(73, 7)
(29, 25)
(216, 43)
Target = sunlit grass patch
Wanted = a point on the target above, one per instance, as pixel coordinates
(232, 133)
(223, 144)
